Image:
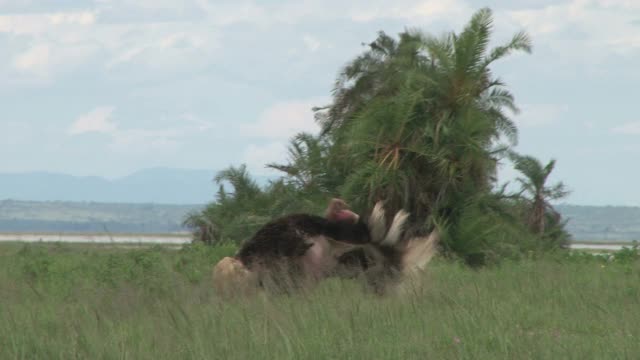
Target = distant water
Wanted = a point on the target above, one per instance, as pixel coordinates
(99, 238)
(176, 239)
(599, 246)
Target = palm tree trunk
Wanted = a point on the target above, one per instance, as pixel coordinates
(537, 216)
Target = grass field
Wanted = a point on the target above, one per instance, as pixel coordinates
(99, 302)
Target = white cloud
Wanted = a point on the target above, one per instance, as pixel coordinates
(435, 8)
(588, 30)
(97, 120)
(536, 115)
(257, 156)
(79, 18)
(50, 43)
(32, 24)
(293, 12)
(180, 35)
(278, 123)
(311, 43)
(224, 14)
(124, 57)
(630, 128)
(36, 59)
(165, 49)
(200, 124)
(285, 119)
(422, 11)
(46, 57)
(146, 139)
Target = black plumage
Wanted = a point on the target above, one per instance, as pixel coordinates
(302, 249)
(276, 247)
(286, 237)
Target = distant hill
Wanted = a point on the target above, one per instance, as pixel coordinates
(94, 217)
(157, 185)
(586, 223)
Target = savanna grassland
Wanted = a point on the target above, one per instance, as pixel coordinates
(99, 302)
(419, 121)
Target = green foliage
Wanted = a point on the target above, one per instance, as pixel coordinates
(627, 254)
(309, 169)
(486, 231)
(194, 261)
(237, 214)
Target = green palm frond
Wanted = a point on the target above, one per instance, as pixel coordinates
(471, 44)
(520, 42)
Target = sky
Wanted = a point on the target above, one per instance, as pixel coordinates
(109, 87)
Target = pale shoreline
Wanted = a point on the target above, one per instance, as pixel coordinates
(184, 238)
(98, 238)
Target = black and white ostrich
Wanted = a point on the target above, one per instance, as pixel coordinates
(301, 249)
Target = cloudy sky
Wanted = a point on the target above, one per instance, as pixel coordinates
(108, 87)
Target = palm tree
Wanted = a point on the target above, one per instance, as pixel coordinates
(538, 194)
(308, 168)
(243, 185)
(236, 212)
(418, 119)
(377, 72)
(202, 225)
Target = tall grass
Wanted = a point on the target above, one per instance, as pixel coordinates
(64, 302)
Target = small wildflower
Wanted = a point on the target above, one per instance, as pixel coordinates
(456, 340)
(602, 266)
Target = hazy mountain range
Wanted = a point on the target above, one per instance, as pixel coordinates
(158, 199)
(156, 185)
